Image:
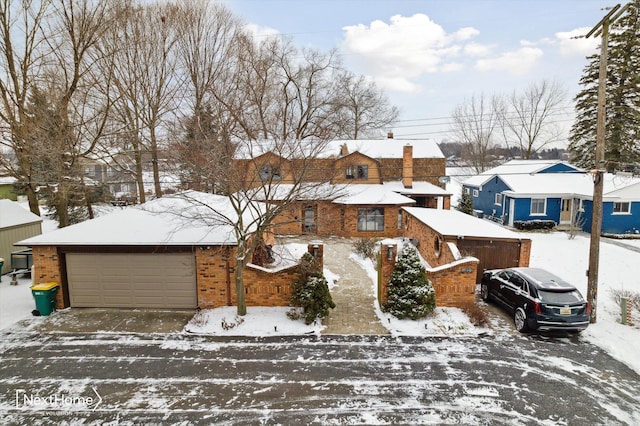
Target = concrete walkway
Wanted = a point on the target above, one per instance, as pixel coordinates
(353, 294)
(620, 243)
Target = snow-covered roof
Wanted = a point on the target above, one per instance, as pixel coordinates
(458, 224)
(418, 188)
(185, 219)
(374, 148)
(571, 184)
(514, 167)
(304, 192)
(524, 166)
(13, 214)
(287, 149)
(389, 193)
(365, 194)
(385, 148)
(7, 180)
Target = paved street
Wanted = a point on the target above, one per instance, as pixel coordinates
(183, 379)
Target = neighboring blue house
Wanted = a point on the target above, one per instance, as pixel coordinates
(557, 191)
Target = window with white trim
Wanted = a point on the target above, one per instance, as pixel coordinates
(498, 199)
(538, 206)
(475, 193)
(623, 207)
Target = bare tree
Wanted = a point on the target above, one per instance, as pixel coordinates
(363, 109)
(257, 195)
(207, 34)
(475, 123)
(20, 32)
(278, 100)
(528, 120)
(146, 85)
(71, 47)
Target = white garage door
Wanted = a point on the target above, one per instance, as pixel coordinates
(131, 280)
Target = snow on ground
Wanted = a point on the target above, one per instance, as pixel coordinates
(443, 322)
(618, 270)
(553, 251)
(16, 301)
(259, 321)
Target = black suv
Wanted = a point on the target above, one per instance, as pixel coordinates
(538, 299)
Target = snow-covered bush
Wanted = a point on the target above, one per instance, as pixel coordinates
(411, 294)
(365, 247)
(311, 291)
(534, 225)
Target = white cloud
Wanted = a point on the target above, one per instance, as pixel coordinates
(570, 46)
(260, 31)
(452, 66)
(517, 62)
(398, 52)
(477, 49)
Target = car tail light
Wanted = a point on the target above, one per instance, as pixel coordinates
(587, 308)
(537, 308)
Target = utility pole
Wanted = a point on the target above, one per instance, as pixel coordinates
(601, 27)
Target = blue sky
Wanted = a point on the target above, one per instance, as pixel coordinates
(432, 55)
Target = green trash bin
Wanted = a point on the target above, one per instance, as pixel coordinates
(45, 296)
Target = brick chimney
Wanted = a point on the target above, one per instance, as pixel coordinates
(344, 150)
(407, 166)
(389, 135)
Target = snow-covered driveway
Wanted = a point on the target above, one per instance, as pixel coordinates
(183, 379)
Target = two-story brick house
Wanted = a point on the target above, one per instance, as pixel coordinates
(370, 180)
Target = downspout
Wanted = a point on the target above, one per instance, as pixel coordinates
(228, 281)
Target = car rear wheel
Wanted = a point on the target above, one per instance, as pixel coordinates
(520, 320)
(484, 292)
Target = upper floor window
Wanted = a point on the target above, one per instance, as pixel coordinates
(622, 208)
(499, 199)
(357, 172)
(475, 193)
(270, 172)
(538, 206)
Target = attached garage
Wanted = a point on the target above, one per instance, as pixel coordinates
(147, 280)
(160, 255)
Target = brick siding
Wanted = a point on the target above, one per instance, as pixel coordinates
(46, 261)
(454, 283)
(215, 280)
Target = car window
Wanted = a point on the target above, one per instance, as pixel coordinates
(505, 275)
(517, 281)
(559, 296)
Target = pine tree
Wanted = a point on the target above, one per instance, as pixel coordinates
(622, 137)
(311, 290)
(411, 294)
(465, 203)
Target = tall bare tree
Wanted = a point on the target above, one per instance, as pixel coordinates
(279, 100)
(207, 35)
(20, 33)
(528, 119)
(70, 45)
(146, 81)
(364, 109)
(476, 123)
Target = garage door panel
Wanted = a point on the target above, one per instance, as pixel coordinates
(131, 280)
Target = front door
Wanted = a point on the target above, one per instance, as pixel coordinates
(309, 220)
(565, 211)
